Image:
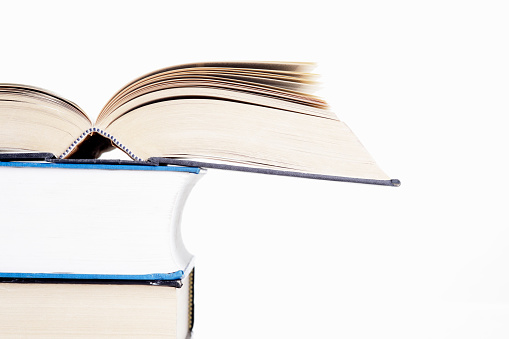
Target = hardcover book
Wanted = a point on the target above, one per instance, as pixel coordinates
(84, 308)
(94, 220)
(255, 116)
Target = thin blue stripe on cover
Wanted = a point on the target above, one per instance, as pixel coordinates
(154, 276)
(102, 166)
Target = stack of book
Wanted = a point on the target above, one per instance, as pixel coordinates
(91, 246)
(94, 250)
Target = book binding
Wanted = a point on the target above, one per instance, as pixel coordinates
(189, 165)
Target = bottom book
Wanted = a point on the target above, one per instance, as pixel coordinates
(64, 309)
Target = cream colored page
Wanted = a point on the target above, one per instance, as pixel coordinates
(87, 311)
(222, 130)
(219, 94)
(34, 127)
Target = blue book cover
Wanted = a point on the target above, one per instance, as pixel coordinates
(93, 220)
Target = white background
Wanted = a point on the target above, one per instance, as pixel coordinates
(424, 85)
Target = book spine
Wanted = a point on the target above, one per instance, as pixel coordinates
(93, 130)
(191, 301)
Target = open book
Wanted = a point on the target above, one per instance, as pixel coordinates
(259, 115)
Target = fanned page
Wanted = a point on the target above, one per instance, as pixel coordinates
(254, 114)
(33, 119)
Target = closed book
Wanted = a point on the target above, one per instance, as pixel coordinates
(45, 308)
(99, 220)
